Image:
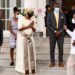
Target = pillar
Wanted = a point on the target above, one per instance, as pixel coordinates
(39, 7)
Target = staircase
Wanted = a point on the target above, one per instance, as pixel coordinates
(42, 47)
(42, 52)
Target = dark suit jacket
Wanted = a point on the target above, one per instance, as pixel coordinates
(51, 22)
(1, 33)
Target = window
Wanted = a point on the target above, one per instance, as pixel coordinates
(18, 3)
(5, 7)
(2, 3)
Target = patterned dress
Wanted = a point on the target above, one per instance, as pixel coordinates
(14, 27)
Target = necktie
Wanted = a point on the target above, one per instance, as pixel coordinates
(57, 19)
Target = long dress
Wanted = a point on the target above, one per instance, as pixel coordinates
(23, 49)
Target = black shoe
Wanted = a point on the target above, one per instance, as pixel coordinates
(27, 72)
(33, 71)
(12, 64)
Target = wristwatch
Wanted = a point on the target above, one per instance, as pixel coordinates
(55, 31)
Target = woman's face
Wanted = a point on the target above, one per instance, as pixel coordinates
(29, 15)
(16, 14)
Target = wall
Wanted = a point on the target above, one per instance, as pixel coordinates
(39, 7)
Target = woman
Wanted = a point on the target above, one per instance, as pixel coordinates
(25, 53)
(71, 60)
(13, 28)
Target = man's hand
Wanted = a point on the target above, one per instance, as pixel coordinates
(58, 34)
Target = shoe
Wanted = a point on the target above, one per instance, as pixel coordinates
(51, 65)
(12, 64)
(61, 65)
(33, 71)
(27, 72)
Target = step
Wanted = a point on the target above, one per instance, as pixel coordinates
(42, 48)
(67, 39)
(38, 56)
(38, 42)
(38, 51)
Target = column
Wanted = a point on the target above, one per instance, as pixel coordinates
(39, 6)
(22, 3)
(32, 4)
(41, 15)
(12, 3)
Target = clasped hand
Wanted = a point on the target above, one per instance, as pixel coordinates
(58, 34)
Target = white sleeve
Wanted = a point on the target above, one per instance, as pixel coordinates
(20, 19)
(69, 32)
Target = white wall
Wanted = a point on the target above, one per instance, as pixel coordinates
(12, 3)
(30, 3)
(41, 14)
(39, 6)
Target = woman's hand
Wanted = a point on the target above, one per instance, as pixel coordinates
(31, 24)
(33, 29)
(27, 27)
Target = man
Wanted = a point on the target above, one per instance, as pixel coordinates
(55, 23)
(48, 9)
(70, 16)
(1, 34)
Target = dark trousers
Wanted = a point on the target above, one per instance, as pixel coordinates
(60, 42)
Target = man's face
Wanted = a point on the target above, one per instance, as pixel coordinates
(56, 8)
